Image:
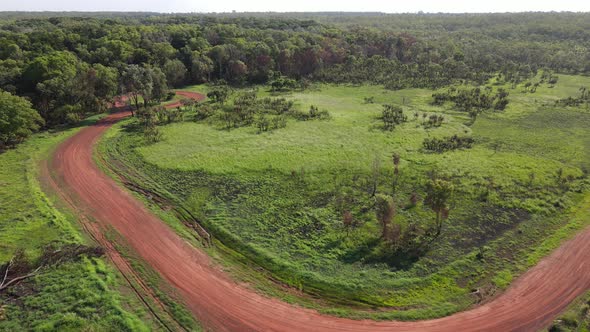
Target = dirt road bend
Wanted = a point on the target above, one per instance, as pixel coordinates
(220, 304)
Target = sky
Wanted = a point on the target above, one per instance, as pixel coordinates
(391, 6)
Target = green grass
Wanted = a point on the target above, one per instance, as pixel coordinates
(576, 318)
(272, 198)
(72, 296)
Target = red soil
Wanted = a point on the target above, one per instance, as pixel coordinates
(221, 304)
(185, 95)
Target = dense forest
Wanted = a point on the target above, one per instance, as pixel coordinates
(69, 65)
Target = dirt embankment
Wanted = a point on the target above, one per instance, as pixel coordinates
(222, 305)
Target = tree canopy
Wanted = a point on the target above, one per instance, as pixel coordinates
(77, 62)
(18, 120)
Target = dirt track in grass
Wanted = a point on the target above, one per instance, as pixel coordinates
(220, 304)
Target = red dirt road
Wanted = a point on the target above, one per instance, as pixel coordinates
(220, 304)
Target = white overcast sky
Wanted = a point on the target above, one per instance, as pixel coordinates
(167, 6)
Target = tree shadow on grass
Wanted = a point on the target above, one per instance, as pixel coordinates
(375, 251)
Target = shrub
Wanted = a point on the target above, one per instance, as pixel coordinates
(204, 111)
(279, 122)
(454, 142)
(315, 113)
(392, 116)
(283, 84)
(262, 123)
(219, 94)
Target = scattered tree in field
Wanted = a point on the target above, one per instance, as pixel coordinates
(583, 98)
(385, 212)
(396, 161)
(473, 101)
(316, 113)
(348, 221)
(434, 120)
(392, 116)
(203, 111)
(219, 94)
(262, 123)
(438, 193)
(375, 174)
(440, 145)
(501, 100)
(148, 120)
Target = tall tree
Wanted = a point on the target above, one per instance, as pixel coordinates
(18, 120)
(135, 81)
(385, 211)
(175, 72)
(159, 87)
(438, 193)
(201, 67)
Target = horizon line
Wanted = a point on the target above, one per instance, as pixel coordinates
(420, 12)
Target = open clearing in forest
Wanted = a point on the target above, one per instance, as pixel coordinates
(273, 196)
(531, 302)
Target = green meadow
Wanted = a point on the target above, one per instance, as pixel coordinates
(276, 199)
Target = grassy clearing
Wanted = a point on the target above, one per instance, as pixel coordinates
(274, 197)
(78, 295)
(576, 318)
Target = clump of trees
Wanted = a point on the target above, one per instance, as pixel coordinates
(454, 142)
(247, 109)
(432, 120)
(475, 98)
(264, 123)
(69, 68)
(410, 238)
(219, 94)
(18, 120)
(583, 98)
(531, 87)
(146, 83)
(314, 113)
(148, 121)
(282, 83)
(549, 77)
(149, 118)
(399, 238)
(473, 101)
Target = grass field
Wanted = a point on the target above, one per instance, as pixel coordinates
(575, 318)
(80, 295)
(275, 197)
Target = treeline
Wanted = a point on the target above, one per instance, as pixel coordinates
(69, 66)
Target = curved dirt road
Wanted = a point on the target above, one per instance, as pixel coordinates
(221, 305)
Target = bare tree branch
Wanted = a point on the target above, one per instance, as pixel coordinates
(17, 279)
(6, 272)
